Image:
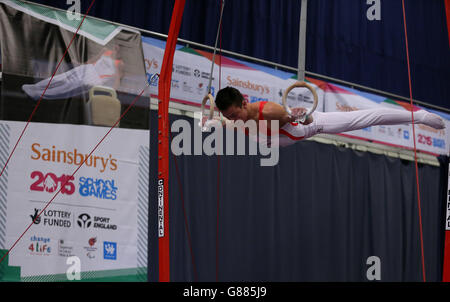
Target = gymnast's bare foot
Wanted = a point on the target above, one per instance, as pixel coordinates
(430, 119)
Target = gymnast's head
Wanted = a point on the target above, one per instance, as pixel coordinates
(232, 104)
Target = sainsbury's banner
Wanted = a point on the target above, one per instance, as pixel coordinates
(191, 71)
(97, 222)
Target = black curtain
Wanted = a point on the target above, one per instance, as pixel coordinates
(316, 216)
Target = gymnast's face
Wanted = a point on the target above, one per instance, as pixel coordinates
(236, 113)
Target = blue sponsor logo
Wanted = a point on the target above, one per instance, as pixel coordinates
(254, 99)
(109, 250)
(99, 188)
(439, 143)
(406, 134)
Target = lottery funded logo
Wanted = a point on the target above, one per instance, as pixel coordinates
(52, 218)
(182, 70)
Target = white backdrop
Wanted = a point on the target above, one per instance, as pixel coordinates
(98, 216)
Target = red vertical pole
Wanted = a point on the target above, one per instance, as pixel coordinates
(163, 141)
(446, 270)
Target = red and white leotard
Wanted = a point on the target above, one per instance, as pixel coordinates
(288, 134)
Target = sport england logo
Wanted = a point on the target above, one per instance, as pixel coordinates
(84, 221)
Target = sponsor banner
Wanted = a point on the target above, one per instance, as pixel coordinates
(191, 72)
(95, 215)
(259, 83)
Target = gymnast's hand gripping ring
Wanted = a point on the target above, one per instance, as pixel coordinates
(303, 118)
(212, 105)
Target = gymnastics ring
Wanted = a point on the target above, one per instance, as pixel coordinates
(311, 110)
(211, 109)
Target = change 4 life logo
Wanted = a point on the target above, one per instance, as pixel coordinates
(86, 221)
(39, 246)
(109, 250)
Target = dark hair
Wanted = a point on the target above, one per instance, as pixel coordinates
(228, 96)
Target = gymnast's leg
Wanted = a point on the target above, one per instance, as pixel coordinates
(337, 122)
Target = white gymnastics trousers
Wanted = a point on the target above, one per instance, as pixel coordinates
(338, 122)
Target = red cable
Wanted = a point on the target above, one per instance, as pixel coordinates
(45, 90)
(415, 149)
(218, 157)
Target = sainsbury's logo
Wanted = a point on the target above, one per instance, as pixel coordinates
(72, 157)
(236, 82)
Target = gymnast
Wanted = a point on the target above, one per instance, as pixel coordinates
(234, 107)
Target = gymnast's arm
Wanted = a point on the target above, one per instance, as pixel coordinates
(274, 111)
